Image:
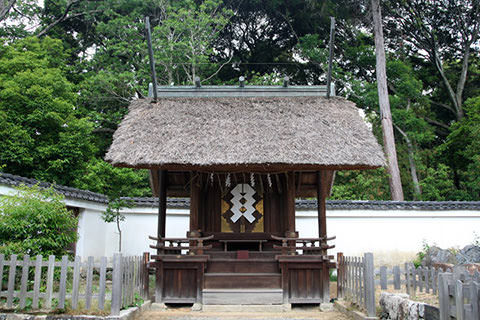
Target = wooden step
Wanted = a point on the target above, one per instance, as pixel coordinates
(233, 254)
(242, 266)
(230, 280)
(242, 296)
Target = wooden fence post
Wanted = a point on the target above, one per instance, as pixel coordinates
(474, 300)
(369, 284)
(76, 282)
(443, 295)
(11, 280)
(63, 282)
(396, 278)
(459, 298)
(23, 285)
(116, 285)
(407, 278)
(102, 282)
(88, 289)
(383, 278)
(50, 272)
(433, 280)
(36, 281)
(427, 280)
(339, 275)
(414, 279)
(146, 275)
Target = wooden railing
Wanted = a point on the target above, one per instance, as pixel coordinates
(194, 245)
(304, 246)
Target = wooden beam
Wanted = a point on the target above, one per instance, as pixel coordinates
(162, 203)
(258, 167)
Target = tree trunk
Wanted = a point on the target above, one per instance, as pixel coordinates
(119, 234)
(386, 116)
(413, 168)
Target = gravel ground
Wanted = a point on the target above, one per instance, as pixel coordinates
(186, 314)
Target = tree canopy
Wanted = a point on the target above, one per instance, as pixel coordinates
(36, 221)
(69, 69)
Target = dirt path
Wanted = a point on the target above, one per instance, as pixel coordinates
(186, 314)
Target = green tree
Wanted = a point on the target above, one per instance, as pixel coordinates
(113, 214)
(462, 150)
(100, 176)
(361, 185)
(35, 221)
(184, 36)
(41, 133)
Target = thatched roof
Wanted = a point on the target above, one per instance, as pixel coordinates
(263, 134)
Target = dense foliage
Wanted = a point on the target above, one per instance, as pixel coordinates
(66, 83)
(36, 221)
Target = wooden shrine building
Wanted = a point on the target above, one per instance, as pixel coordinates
(243, 154)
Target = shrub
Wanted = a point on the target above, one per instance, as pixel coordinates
(421, 254)
(35, 221)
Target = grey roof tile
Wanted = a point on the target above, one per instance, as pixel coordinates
(74, 193)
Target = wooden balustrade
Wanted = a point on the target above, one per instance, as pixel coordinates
(292, 246)
(194, 245)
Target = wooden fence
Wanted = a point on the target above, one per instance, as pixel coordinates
(458, 292)
(355, 281)
(459, 296)
(105, 284)
(413, 280)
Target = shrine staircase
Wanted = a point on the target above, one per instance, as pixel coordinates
(254, 280)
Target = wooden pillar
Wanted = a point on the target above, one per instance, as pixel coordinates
(162, 215)
(162, 205)
(324, 183)
(290, 202)
(321, 204)
(195, 190)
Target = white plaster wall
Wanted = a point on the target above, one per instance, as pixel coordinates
(394, 236)
(390, 234)
(138, 225)
(91, 234)
(357, 231)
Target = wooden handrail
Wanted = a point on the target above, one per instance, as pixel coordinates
(304, 239)
(182, 248)
(289, 245)
(323, 247)
(195, 244)
(181, 239)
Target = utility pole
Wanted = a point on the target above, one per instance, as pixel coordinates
(385, 113)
